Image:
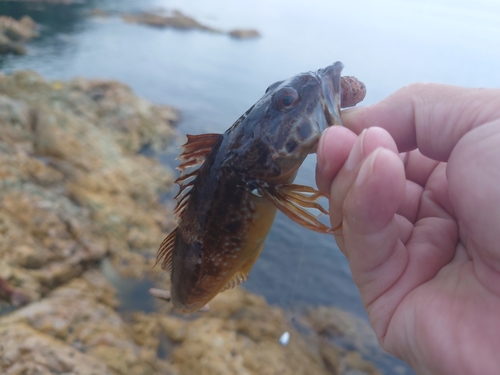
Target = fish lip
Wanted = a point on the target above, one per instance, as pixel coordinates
(330, 78)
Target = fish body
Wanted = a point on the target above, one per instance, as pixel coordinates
(227, 206)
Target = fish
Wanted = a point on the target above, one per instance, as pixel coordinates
(232, 184)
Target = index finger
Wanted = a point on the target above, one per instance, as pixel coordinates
(431, 117)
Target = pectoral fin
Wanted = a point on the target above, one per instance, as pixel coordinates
(293, 199)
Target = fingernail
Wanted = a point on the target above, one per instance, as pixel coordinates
(322, 163)
(366, 168)
(356, 155)
(350, 114)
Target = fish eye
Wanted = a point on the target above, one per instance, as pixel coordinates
(286, 98)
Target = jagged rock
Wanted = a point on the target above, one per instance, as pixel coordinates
(82, 315)
(24, 350)
(72, 187)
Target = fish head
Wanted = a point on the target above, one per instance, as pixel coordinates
(276, 134)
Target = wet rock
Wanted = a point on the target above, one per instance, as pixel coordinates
(240, 335)
(22, 30)
(24, 350)
(13, 34)
(98, 12)
(72, 187)
(244, 33)
(82, 317)
(8, 46)
(174, 19)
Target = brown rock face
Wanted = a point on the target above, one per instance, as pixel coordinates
(72, 187)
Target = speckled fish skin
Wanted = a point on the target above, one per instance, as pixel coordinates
(228, 216)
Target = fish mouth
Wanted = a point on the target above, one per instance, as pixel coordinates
(332, 93)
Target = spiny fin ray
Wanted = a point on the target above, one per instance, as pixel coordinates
(194, 152)
(238, 278)
(292, 199)
(165, 252)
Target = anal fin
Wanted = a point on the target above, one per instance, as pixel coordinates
(165, 252)
(293, 199)
(242, 274)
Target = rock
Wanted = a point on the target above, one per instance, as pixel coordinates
(98, 12)
(175, 19)
(22, 30)
(24, 350)
(8, 46)
(14, 33)
(244, 34)
(72, 187)
(81, 316)
(240, 335)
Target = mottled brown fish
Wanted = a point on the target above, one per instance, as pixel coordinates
(226, 207)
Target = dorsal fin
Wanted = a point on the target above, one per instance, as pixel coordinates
(292, 199)
(194, 152)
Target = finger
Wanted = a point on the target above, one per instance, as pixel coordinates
(370, 231)
(419, 167)
(389, 256)
(334, 146)
(430, 117)
(367, 142)
(411, 202)
(405, 228)
(474, 180)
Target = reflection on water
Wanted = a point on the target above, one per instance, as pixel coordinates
(212, 79)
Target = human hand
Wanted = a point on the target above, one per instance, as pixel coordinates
(418, 196)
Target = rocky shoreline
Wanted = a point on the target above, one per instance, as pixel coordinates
(14, 34)
(75, 190)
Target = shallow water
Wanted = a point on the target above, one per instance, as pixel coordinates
(213, 79)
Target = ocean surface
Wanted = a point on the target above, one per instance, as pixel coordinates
(212, 79)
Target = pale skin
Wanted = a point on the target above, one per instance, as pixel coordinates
(418, 196)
